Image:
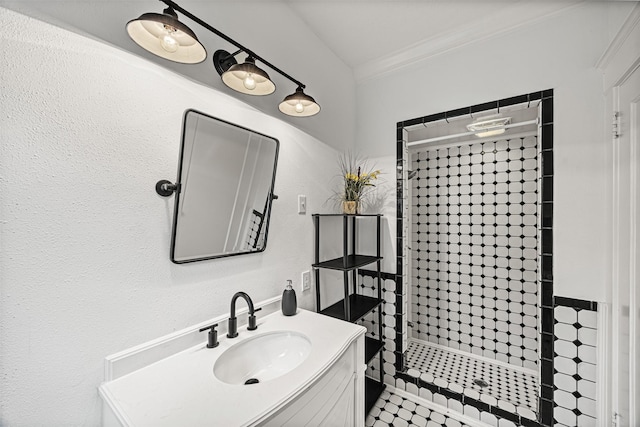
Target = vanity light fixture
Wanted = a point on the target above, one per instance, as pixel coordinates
(489, 126)
(299, 104)
(248, 78)
(165, 36)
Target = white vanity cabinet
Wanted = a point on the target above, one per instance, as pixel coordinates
(326, 389)
(336, 399)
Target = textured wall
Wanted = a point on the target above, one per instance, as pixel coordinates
(86, 130)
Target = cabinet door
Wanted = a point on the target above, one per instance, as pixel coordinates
(343, 412)
(319, 401)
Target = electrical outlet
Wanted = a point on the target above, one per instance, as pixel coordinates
(306, 280)
(302, 204)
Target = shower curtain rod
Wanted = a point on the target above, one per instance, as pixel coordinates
(458, 135)
(481, 140)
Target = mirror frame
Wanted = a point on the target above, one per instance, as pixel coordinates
(179, 187)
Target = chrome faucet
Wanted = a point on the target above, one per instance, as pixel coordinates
(232, 330)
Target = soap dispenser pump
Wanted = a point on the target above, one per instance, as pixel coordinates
(289, 304)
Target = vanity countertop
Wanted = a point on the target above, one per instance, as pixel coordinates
(182, 389)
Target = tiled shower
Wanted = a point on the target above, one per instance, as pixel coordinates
(470, 321)
(474, 269)
(474, 248)
(473, 261)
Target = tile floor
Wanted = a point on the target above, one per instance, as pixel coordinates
(458, 372)
(394, 410)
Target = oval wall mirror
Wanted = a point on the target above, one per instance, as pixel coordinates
(224, 189)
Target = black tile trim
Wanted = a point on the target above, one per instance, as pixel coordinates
(547, 392)
(502, 413)
(547, 293)
(412, 122)
(399, 360)
(459, 112)
(513, 101)
(546, 372)
(466, 400)
(545, 410)
(398, 287)
(576, 303)
(547, 111)
(521, 99)
(547, 321)
(526, 422)
(484, 107)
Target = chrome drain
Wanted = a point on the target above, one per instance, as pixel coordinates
(481, 383)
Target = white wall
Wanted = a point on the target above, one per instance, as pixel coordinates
(557, 53)
(86, 131)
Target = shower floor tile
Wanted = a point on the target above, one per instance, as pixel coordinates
(507, 388)
(394, 410)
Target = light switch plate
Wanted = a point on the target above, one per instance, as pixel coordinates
(306, 280)
(302, 204)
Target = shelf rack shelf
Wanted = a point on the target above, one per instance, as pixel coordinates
(358, 307)
(353, 307)
(348, 263)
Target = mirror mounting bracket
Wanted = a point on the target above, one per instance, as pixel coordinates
(166, 188)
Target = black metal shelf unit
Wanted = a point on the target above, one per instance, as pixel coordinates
(354, 306)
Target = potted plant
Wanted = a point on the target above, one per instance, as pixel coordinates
(358, 179)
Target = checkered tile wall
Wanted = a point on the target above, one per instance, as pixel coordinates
(474, 248)
(575, 368)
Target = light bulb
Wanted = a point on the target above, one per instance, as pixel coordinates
(249, 82)
(168, 42)
(299, 107)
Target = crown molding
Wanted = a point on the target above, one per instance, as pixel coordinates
(621, 57)
(446, 42)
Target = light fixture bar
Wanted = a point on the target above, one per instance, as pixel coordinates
(220, 34)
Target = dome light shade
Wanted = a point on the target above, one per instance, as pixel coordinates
(248, 78)
(299, 104)
(165, 36)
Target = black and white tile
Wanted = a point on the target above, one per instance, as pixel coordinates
(368, 287)
(393, 410)
(475, 248)
(575, 363)
(495, 384)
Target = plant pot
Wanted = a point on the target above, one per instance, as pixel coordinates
(350, 207)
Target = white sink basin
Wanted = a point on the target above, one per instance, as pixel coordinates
(262, 358)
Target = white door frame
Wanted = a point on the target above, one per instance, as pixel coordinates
(618, 63)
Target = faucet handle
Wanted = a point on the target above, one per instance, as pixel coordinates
(213, 336)
(252, 320)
